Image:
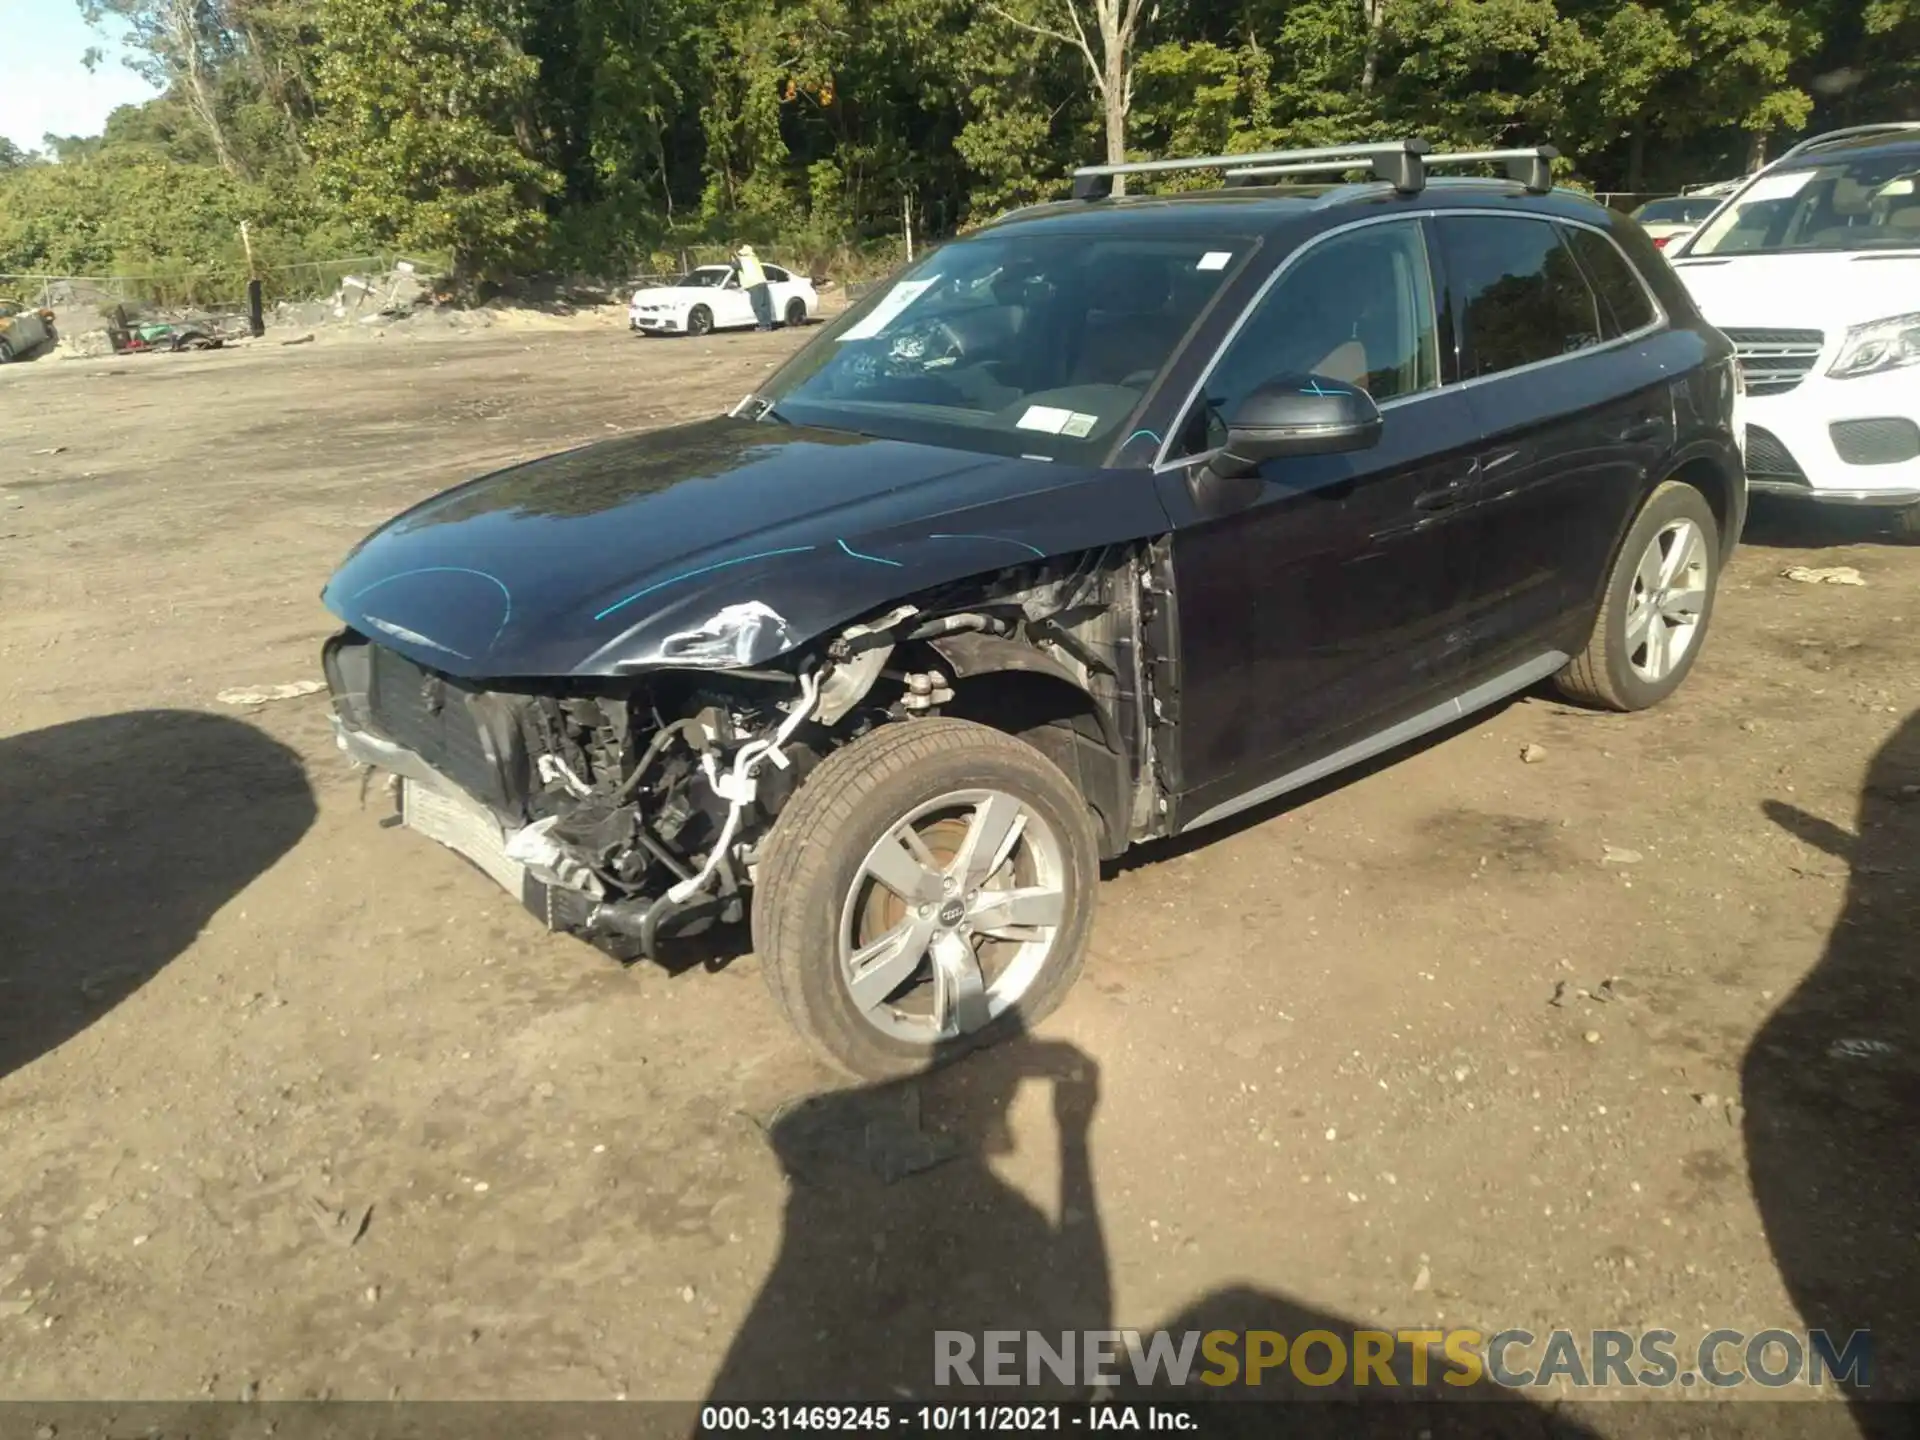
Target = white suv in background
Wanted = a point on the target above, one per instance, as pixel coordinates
(1812, 269)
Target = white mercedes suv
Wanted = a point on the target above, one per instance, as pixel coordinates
(1812, 269)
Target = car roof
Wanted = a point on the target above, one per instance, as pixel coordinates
(1260, 209)
(1896, 145)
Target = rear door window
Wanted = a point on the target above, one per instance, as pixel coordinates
(1517, 295)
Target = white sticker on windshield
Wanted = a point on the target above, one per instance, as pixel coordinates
(888, 310)
(1079, 424)
(1044, 418)
(1214, 260)
(1777, 187)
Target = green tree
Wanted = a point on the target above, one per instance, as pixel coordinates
(180, 46)
(1102, 33)
(520, 135)
(424, 134)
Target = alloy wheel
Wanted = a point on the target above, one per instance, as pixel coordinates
(952, 916)
(1668, 598)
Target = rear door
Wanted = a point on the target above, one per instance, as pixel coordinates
(1325, 605)
(1549, 331)
(781, 288)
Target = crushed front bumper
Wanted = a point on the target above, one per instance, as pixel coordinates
(433, 805)
(460, 760)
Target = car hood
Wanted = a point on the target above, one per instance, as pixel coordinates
(1815, 291)
(722, 543)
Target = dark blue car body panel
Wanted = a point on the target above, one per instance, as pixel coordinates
(581, 562)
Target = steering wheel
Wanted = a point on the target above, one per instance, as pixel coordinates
(925, 346)
(913, 352)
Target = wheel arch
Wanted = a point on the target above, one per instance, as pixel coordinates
(1706, 470)
(1012, 687)
(1723, 484)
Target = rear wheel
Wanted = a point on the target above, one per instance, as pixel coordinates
(796, 312)
(1659, 600)
(928, 891)
(699, 320)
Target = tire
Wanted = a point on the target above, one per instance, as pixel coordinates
(1906, 524)
(1620, 670)
(699, 321)
(796, 313)
(816, 902)
(6, 352)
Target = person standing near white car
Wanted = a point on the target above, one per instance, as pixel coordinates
(1812, 269)
(754, 280)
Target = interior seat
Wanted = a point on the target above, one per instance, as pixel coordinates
(1130, 331)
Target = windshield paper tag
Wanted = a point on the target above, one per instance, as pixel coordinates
(1214, 260)
(1777, 187)
(888, 310)
(1045, 418)
(1079, 424)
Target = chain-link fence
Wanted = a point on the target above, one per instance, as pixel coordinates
(209, 288)
(214, 298)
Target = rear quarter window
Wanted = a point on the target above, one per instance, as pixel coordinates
(1624, 303)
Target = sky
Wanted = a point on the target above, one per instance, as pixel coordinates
(46, 88)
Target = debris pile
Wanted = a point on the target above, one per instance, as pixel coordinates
(367, 300)
(146, 332)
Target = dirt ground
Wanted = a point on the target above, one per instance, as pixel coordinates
(1352, 1058)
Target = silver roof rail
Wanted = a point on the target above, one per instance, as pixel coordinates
(1392, 160)
(1532, 167)
(1834, 137)
(1401, 163)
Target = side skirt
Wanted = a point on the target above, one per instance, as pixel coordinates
(1445, 713)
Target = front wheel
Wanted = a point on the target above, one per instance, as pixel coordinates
(6, 351)
(929, 890)
(1659, 600)
(699, 320)
(1906, 523)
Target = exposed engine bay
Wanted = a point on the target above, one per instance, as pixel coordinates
(630, 811)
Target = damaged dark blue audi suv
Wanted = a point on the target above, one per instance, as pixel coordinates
(1110, 519)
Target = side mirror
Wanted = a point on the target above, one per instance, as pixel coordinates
(1297, 415)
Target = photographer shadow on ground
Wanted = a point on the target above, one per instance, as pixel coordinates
(898, 1227)
(120, 836)
(1831, 1086)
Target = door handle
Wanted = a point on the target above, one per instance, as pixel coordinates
(1640, 430)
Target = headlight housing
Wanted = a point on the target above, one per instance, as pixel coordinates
(1879, 346)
